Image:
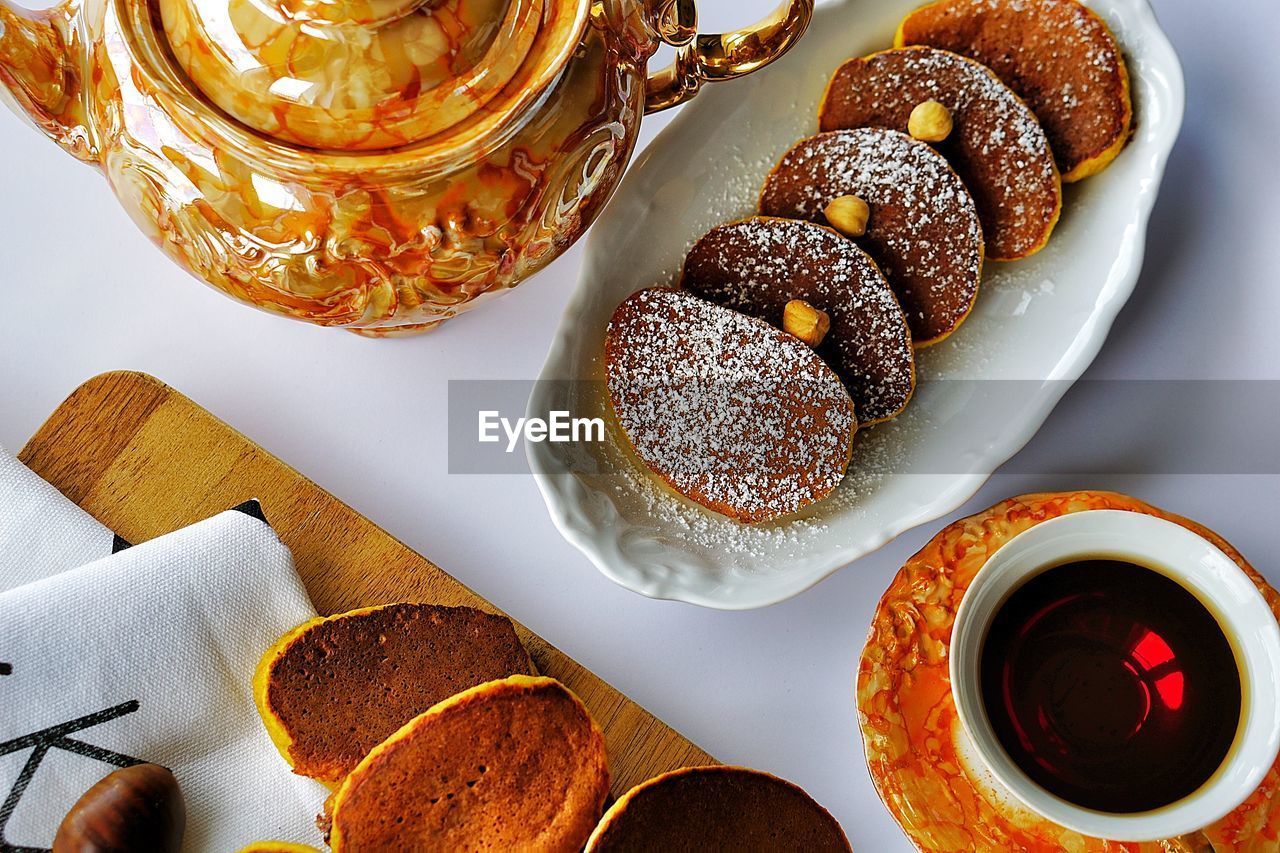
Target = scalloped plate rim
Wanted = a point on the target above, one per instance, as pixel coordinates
(563, 493)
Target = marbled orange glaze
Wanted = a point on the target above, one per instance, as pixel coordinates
(377, 242)
(38, 78)
(378, 165)
(367, 74)
(909, 723)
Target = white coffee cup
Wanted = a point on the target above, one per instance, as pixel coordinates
(1198, 566)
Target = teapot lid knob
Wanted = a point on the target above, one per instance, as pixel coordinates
(359, 75)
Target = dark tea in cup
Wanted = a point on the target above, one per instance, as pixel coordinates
(1110, 685)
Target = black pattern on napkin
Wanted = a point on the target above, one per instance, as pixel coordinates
(251, 508)
(57, 737)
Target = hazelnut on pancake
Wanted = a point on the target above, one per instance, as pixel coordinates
(711, 809)
(758, 265)
(729, 411)
(1057, 54)
(922, 228)
(997, 146)
(335, 687)
(516, 764)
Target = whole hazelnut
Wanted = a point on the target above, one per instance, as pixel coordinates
(807, 323)
(848, 214)
(133, 808)
(929, 122)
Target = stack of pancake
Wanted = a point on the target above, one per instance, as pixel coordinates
(434, 733)
(946, 150)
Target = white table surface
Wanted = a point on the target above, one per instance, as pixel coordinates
(82, 292)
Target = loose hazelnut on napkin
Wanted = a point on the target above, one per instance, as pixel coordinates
(133, 808)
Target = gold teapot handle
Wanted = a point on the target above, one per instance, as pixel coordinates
(723, 56)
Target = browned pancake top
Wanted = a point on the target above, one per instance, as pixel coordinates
(516, 764)
(709, 809)
(997, 146)
(731, 412)
(346, 683)
(1056, 54)
(923, 232)
(759, 264)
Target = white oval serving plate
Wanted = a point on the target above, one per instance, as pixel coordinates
(1040, 321)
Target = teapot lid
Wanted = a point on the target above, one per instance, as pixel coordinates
(358, 75)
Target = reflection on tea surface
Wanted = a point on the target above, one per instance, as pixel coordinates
(1111, 686)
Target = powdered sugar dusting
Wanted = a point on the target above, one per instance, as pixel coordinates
(658, 511)
(708, 170)
(733, 413)
(757, 265)
(998, 146)
(1057, 54)
(924, 230)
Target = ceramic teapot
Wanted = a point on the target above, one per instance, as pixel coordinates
(372, 164)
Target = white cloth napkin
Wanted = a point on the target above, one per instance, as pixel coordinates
(41, 532)
(149, 655)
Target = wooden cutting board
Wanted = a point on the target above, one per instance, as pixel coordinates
(144, 460)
